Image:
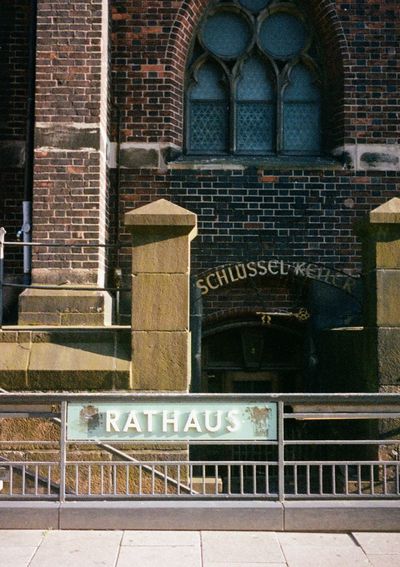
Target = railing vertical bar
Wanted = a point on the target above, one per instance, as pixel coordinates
(384, 479)
(281, 452)
(191, 478)
(127, 491)
(267, 490)
(203, 471)
(63, 450)
(77, 479)
(152, 480)
(241, 479)
(2, 238)
(359, 481)
(36, 480)
(11, 474)
(140, 480)
(178, 478)
(308, 490)
(49, 480)
(296, 486)
(398, 479)
(89, 479)
(254, 479)
(216, 479)
(372, 479)
(23, 488)
(229, 480)
(101, 480)
(346, 479)
(334, 479)
(114, 469)
(165, 479)
(321, 481)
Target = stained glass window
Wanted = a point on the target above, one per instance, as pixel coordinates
(255, 108)
(254, 84)
(208, 110)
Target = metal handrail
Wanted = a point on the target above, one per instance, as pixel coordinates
(70, 244)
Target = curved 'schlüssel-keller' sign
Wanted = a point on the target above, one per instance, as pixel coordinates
(227, 275)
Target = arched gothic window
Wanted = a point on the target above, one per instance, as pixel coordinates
(254, 82)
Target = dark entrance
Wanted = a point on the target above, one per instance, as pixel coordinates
(249, 357)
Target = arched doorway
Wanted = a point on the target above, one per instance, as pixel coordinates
(247, 356)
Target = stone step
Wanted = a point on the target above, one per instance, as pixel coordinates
(88, 358)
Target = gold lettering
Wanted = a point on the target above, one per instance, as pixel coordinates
(243, 274)
(251, 266)
(210, 285)
(222, 278)
(273, 267)
(262, 269)
(233, 279)
(200, 285)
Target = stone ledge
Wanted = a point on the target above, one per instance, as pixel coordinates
(349, 515)
(67, 359)
(64, 307)
(250, 515)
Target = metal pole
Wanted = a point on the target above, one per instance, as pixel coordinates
(63, 450)
(2, 237)
(281, 452)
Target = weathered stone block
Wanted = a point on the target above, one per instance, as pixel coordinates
(65, 360)
(14, 359)
(388, 298)
(388, 341)
(64, 307)
(160, 250)
(160, 360)
(160, 302)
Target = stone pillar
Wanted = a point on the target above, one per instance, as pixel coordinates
(161, 236)
(381, 256)
(70, 164)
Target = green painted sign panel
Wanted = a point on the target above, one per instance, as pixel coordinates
(166, 421)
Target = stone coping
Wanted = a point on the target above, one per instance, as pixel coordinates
(255, 515)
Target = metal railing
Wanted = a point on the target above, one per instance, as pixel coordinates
(116, 290)
(333, 446)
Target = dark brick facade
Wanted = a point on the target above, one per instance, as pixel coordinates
(14, 24)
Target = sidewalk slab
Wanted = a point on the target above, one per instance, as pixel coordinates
(316, 539)
(18, 538)
(384, 560)
(156, 556)
(316, 556)
(16, 556)
(241, 547)
(160, 538)
(230, 564)
(92, 549)
(383, 543)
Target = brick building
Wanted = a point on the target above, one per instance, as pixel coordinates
(275, 122)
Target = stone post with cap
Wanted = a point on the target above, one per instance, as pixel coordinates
(161, 237)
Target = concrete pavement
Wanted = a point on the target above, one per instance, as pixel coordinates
(37, 548)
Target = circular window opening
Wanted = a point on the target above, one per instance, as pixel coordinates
(255, 5)
(226, 34)
(283, 35)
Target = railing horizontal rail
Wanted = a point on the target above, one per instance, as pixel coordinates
(66, 287)
(64, 244)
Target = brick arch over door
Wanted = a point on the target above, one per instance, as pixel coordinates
(325, 19)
